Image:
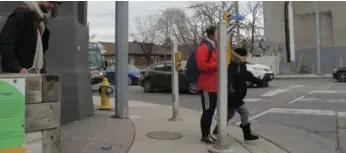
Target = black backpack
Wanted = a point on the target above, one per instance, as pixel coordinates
(191, 70)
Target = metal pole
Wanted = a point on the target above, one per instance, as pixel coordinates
(291, 33)
(121, 39)
(175, 84)
(237, 22)
(318, 37)
(222, 145)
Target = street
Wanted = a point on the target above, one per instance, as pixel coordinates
(314, 108)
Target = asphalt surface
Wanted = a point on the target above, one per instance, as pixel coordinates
(311, 109)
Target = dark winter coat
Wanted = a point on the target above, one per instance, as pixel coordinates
(237, 77)
(18, 40)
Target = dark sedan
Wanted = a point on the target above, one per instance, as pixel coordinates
(340, 74)
(159, 76)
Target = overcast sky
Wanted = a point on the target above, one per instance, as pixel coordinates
(101, 15)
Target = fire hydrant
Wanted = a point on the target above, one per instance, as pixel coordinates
(105, 91)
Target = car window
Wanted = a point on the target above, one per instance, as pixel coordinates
(159, 67)
(168, 67)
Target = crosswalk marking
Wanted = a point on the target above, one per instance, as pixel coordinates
(274, 92)
(302, 111)
(279, 91)
(295, 100)
(327, 91)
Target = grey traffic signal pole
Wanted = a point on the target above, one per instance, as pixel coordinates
(222, 145)
(318, 37)
(121, 55)
(175, 84)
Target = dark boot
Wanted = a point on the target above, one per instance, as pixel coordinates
(248, 136)
(215, 130)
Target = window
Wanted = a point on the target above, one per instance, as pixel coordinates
(159, 67)
(168, 67)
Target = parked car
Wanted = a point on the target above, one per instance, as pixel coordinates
(260, 71)
(159, 76)
(340, 74)
(133, 75)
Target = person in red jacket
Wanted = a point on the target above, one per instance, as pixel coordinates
(207, 81)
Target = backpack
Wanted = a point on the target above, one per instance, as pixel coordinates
(191, 70)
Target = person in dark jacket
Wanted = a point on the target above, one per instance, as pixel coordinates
(237, 77)
(24, 37)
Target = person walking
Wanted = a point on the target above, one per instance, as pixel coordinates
(24, 37)
(237, 77)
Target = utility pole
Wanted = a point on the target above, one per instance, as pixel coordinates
(318, 37)
(237, 22)
(291, 33)
(121, 55)
(222, 145)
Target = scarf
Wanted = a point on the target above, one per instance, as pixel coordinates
(38, 61)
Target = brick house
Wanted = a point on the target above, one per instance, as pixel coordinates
(136, 56)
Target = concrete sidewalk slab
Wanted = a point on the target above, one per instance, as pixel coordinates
(98, 134)
(304, 76)
(157, 119)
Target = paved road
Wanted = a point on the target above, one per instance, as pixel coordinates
(288, 112)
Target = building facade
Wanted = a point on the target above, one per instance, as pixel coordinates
(332, 25)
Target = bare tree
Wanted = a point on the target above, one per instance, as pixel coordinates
(178, 26)
(147, 35)
(92, 36)
(210, 13)
(255, 9)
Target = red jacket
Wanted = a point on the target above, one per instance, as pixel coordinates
(208, 70)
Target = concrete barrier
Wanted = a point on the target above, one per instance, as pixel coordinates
(42, 111)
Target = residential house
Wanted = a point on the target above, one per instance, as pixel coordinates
(136, 56)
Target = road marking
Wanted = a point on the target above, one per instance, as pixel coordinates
(295, 100)
(309, 99)
(252, 99)
(318, 100)
(327, 91)
(303, 111)
(256, 116)
(341, 114)
(295, 86)
(274, 92)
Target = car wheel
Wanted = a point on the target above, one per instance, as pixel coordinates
(129, 80)
(341, 76)
(249, 84)
(148, 86)
(192, 88)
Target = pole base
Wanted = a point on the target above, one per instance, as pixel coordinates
(109, 109)
(175, 119)
(218, 148)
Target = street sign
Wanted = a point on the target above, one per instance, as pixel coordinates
(236, 17)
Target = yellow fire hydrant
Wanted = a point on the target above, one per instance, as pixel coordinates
(105, 91)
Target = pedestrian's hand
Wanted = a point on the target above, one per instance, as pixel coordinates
(23, 70)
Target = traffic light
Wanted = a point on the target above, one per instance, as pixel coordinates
(227, 17)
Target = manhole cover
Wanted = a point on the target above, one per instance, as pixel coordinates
(164, 135)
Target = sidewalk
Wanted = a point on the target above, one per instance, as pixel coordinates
(149, 117)
(304, 76)
(103, 134)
